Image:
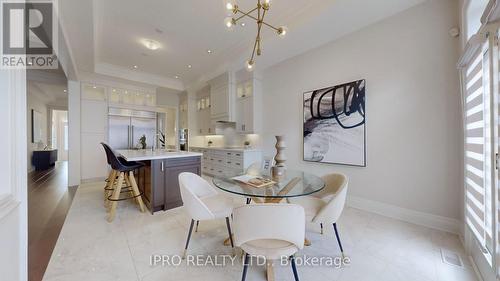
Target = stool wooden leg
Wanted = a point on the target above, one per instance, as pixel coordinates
(109, 183)
(129, 185)
(135, 189)
(116, 195)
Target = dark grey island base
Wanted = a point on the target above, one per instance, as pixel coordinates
(159, 179)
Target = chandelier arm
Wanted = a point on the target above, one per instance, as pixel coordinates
(268, 25)
(244, 14)
(258, 31)
(253, 52)
(256, 19)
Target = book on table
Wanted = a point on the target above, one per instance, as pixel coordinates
(255, 181)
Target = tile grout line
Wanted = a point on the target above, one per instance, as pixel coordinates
(129, 250)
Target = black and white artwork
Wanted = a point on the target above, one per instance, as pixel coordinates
(334, 124)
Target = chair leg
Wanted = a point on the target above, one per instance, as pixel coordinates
(197, 223)
(115, 196)
(245, 267)
(188, 238)
(294, 268)
(229, 231)
(135, 191)
(129, 186)
(321, 224)
(109, 185)
(338, 237)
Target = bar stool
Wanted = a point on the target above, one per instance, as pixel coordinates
(112, 178)
(124, 170)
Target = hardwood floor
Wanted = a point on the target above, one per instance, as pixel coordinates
(49, 200)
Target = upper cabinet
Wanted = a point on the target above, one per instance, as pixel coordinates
(203, 111)
(183, 111)
(131, 97)
(248, 103)
(221, 97)
(232, 96)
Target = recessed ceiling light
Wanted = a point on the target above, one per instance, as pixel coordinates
(209, 51)
(114, 90)
(176, 76)
(243, 24)
(151, 44)
(126, 92)
(135, 67)
(65, 91)
(94, 87)
(190, 66)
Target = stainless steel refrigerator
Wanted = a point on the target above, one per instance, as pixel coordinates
(127, 126)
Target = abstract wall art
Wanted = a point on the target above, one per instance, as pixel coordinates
(334, 124)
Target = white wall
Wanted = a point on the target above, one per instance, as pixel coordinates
(412, 99)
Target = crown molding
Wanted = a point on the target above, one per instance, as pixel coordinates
(137, 76)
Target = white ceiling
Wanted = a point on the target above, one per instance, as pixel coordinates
(104, 35)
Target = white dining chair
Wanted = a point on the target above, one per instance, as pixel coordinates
(326, 206)
(269, 230)
(202, 202)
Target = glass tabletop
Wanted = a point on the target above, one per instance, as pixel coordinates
(294, 184)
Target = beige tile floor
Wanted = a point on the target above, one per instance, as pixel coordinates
(380, 248)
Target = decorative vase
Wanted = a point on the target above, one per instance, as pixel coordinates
(279, 169)
(280, 156)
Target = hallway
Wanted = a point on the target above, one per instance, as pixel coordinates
(49, 200)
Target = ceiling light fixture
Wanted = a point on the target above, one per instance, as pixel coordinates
(209, 51)
(189, 66)
(151, 44)
(176, 76)
(261, 10)
(65, 91)
(136, 67)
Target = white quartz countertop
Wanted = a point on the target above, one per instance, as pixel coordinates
(238, 149)
(147, 154)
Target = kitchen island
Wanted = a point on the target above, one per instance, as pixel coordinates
(158, 180)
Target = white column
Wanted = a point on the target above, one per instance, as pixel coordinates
(13, 187)
(74, 92)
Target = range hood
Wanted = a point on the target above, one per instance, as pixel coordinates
(222, 126)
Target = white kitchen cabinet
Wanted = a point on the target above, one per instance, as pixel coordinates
(94, 124)
(94, 116)
(221, 97)
(93, 158)
(248, 113)
(227, 162)
(203, 111)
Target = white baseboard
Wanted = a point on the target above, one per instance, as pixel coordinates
(411, 216)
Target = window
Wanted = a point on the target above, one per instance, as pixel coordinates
(478, 152)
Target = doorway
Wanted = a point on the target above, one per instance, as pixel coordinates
(49, 197)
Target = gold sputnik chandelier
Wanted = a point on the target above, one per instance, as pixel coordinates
(260, 11)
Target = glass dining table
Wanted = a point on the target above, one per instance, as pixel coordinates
(293, 184)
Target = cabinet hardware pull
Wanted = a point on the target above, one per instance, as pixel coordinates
(162, 167)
